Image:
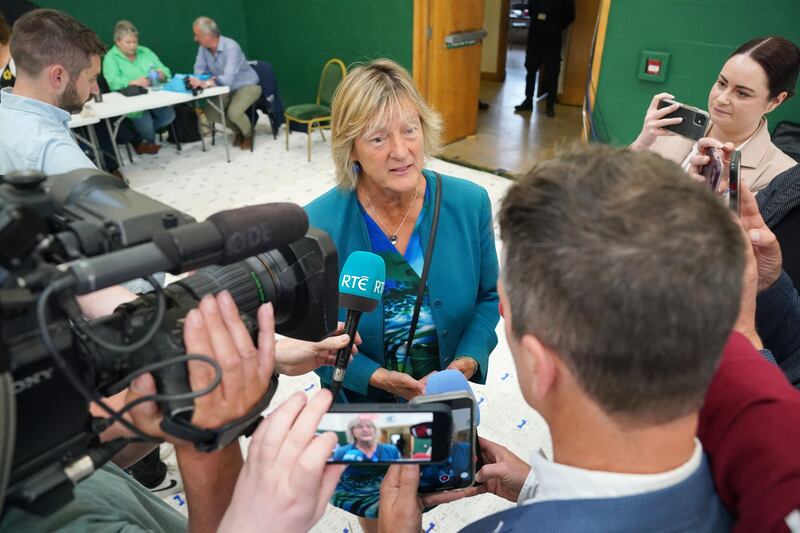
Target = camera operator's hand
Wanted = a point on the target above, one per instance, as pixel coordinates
(397, 383)
(214, 329)
(654, 123)
(286, 482)
(400, 508)
(294, 357)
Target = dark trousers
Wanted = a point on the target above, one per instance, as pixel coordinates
(126, 134)
(547, 60)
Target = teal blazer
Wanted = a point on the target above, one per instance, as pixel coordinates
(462, 280)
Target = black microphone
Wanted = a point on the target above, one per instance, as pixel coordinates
(360, 289)
(226, 237)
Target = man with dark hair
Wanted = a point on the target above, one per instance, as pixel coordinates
(616, 332)
(57, 60)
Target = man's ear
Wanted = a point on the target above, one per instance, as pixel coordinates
(544, 372)
(58, 77)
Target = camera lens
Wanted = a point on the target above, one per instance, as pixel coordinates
(700, 120)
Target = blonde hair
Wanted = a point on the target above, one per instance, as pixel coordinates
(369, 97)
(351, 438)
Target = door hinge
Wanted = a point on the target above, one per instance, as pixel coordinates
(429, 33)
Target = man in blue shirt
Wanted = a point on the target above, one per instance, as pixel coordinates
(222, 57)
(58, 61)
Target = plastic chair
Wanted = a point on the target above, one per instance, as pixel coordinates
(317, 116)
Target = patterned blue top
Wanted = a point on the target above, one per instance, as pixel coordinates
(403, 274)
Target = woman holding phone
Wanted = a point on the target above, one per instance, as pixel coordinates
(755, 80)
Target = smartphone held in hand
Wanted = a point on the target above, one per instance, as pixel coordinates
(382, 434)
(694, 120)
(458, 470)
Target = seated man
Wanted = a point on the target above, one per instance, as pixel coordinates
(223, 58)
(616, 331)
(58, 61)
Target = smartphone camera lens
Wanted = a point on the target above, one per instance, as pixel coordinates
(700, 120)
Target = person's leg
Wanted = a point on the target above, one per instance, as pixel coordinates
(127, 133)
(162, 117)
(144, 125)
(110, 162)
(551, 71)
(533, 60)
(241, 100)
(150, 470)
(213, 115)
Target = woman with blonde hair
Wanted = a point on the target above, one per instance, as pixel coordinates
(435, 233)
(128, 63)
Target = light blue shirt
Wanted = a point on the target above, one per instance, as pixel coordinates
(228, 65)
(36, 136)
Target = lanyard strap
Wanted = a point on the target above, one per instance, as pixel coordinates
(425, 267)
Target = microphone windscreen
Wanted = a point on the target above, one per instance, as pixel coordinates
(451, 380)
(361, 281)
(256, 229)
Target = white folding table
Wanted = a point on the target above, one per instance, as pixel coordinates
(115, 106)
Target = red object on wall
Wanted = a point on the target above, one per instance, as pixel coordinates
(653, 66)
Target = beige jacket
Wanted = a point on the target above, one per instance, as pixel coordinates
(761, 160)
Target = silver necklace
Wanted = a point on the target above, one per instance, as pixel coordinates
(384, 227)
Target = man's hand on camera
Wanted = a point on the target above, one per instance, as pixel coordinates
(400, 508)
(286, 482)
(215, 329)
(294, 357)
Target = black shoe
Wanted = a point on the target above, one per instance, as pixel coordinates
(526, 105)
(551, 110)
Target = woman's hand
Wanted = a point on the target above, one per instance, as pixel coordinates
(141, 82)
(466, 365)
(397, 383)
(654, 123)
(703, 157)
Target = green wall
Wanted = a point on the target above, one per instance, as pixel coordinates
(165, 25)
(298, 37)
(699, 35)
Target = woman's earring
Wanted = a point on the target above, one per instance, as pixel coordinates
(356, 168)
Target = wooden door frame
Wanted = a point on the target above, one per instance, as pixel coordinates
(420, 59)
(502, 45)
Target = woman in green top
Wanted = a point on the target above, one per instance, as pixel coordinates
(126, 64)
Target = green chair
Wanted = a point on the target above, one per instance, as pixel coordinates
(317, 116)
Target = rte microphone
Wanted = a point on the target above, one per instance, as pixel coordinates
(360, 289)
(451, 380)
(226, 237)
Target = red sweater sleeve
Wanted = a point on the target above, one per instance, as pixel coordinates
(750, 429)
